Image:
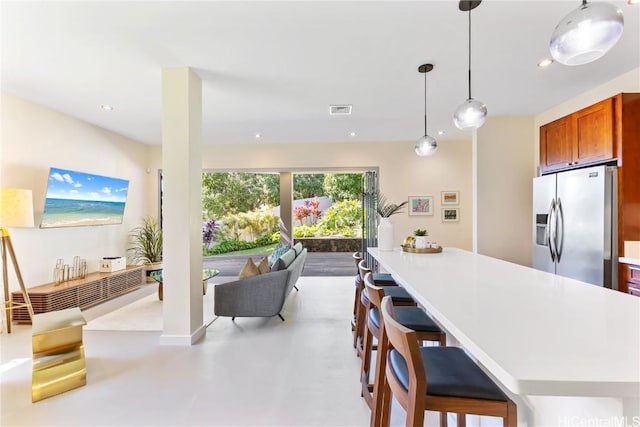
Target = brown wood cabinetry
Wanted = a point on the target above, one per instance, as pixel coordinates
(605, 132)
(584, 137)
(633, 280)
(83, 293)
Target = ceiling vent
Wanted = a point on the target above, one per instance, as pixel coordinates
(339, 110)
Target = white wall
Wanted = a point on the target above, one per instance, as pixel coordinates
(34, 138)
(402, 174)
(504, 186)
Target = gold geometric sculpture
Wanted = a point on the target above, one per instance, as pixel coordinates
(58, 353)
(16, 210)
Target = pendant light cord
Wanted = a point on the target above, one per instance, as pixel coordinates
(425, 104)
(469, 54)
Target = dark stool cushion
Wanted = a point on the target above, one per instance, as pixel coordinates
(382, 279)
(397, 294)
(450, 372)
(411, 317)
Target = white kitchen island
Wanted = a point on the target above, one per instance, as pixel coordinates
(567, 351)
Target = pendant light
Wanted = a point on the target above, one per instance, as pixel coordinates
(587, 33)
(426, 145)
(472, 113)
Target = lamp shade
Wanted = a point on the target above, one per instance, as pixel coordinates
(426, 146)
(16, 208)
(471, 114)
(586, 34)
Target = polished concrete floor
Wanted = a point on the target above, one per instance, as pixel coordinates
(254, 371)
(251, 372)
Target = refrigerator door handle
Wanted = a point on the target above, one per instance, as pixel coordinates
(548, 238)
(560, 234)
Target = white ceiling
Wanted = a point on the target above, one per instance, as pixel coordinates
(274, 67)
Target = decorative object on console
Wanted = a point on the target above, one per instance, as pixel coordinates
(78, 199)
(427, 144)
(63, 272)
(16, 210)
(472, 113)
(111, 264)
(420, 205)
(587, 33)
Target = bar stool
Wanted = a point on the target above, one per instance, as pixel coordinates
(441, 379)
(383, 279)
(357, 257)
(399, 295)
(409, 316)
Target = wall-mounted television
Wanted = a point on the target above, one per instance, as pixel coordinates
(76, 199)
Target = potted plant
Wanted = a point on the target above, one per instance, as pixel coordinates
(421, 238)
(385, 229)
(146, 241)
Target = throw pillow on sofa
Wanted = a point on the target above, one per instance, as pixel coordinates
(263, 265)
(275, 255)
(285, 260)
(250, 269)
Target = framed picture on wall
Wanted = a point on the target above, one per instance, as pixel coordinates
(450, 197)
(450, 214)
(420, 205)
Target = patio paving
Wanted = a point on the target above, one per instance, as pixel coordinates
(317, 264)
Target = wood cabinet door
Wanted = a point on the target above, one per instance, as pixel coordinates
(556, 145)
(594, 138)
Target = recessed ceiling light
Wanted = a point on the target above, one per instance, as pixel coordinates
(106, 107)
(258, 136)
(440, 132)
(352, 134)
(633, 1)
(545, 62)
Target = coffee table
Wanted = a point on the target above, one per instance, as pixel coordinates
(207, 273)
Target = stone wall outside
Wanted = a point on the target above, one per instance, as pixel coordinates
(330, 244)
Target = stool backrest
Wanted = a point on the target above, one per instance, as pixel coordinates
(374, 293)
(405, 341)
(363, 269)
(357, 257)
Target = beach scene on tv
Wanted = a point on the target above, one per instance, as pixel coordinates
(77, 199)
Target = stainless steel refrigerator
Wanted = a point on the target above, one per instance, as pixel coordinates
(575, 225)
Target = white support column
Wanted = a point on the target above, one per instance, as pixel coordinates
(286, 200)
(182, 206)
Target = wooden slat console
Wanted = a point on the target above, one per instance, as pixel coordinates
(83, 293)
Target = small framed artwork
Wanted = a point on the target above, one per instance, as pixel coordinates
(450, 197)
(450, 214)
(420, 205)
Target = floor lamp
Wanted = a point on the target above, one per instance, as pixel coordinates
(16, 210)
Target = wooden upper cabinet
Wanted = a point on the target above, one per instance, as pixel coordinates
(556, 144)
(594, 133)
(584, 137)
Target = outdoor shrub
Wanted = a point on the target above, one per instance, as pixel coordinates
(305, 231)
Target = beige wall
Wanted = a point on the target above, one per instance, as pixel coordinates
(504, 187)
(34, 138)
(402, 174)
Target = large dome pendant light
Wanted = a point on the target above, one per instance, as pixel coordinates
(587, 33)
(472, 113)
(426, 145)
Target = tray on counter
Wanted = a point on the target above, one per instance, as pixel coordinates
(420, 250)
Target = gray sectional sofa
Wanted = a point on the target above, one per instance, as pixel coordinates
(263, 295)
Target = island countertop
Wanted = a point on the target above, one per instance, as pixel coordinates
(536, 332)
